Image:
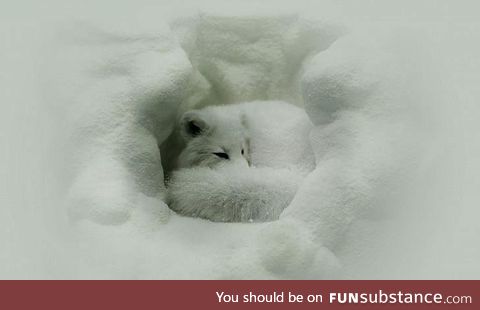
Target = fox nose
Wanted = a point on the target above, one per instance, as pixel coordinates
(241, 162)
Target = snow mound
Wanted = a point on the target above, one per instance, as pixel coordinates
(131, 87)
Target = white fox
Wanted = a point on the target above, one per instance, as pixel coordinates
(220, 174)
(213, 137)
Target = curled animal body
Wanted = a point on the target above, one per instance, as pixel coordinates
(223, 173)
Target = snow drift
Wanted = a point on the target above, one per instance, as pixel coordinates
(374, 95)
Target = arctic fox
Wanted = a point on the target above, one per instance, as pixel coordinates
(220, 177)
(212, 138)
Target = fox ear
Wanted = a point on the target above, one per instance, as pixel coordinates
(193, 124)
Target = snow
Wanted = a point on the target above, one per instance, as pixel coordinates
(89, 92)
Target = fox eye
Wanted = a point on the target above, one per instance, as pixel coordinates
(243, 152)
(221, 155)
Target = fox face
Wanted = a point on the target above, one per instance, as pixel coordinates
(213, 138)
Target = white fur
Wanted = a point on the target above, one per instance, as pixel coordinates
(218, 132)
(253, 186)
(232, 193)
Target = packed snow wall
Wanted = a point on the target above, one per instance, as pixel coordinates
(376, 93)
